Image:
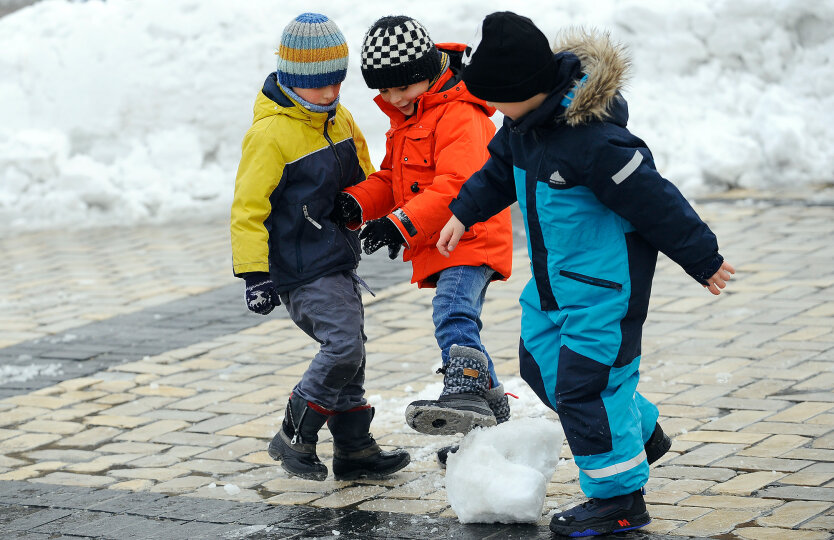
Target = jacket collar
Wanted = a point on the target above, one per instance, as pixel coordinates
(592, 70)
(286, 105)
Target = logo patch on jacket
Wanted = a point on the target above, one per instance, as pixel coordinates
(556, 179)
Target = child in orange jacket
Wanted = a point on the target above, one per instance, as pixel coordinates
(438, 138)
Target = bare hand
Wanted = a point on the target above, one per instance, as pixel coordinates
(719, 280)
(450, 236)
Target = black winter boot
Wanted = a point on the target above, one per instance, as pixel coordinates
(657, 445)
(295, 443)
(499, 404)
(462, 405)
(355, 452)
(602, 516)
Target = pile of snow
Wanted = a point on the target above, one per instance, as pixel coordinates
(500, 474)
(126, 112)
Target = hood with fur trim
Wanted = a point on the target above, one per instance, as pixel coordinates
(607, 66)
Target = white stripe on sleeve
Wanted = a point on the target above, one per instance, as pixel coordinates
(630, 167)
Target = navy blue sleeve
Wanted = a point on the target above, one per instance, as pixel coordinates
(489, 190)
(620, 171)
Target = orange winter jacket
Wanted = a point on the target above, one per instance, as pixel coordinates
(428, 157)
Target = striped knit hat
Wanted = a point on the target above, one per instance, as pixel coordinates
(313, 53)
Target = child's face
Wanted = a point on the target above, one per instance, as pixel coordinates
(319, 96)
(403, 98)
(516, 109)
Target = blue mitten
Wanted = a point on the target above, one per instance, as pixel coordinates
(261, 294)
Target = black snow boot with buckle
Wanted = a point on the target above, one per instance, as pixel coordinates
(462, 405)
(295, 443)
(596, 517)
(355, 452)
(499, 404)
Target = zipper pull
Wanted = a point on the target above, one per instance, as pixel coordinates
(308, 218)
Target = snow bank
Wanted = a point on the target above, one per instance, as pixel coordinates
(500, 474)
(126, 112)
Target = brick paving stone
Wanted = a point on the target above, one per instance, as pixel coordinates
(727, 437)
(825, 523)
(707, 453)
(801, 412)
(793, 513)
(72, 479)
(35, 519)
(122, 422)
(756, 533)
(799, 493)
(788, 428)
(89, 437)
(133, 448)
(348, 496)
(814, 475)
(717, 522)
(746, 463)
(294, 497)
(22, 443)
(745, 484)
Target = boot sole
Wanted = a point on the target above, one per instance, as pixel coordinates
(601, 527)
(277, 456)
(372, 475)
(438, 420)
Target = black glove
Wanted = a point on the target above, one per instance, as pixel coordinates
(381, 232)
(261, 294)
(345, 210)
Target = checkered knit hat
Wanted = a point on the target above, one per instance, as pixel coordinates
(397, 51)
(313, 53)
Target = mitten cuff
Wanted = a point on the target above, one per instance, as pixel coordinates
(254, 278)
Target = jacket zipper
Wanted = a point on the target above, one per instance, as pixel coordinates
(582, 278)
(335, 153)
(341, 177)
(309, 218)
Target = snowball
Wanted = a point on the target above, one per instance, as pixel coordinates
(500, 474)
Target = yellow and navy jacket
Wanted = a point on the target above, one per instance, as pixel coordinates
(293, 163)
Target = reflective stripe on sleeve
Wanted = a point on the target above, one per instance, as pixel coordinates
(629, 168)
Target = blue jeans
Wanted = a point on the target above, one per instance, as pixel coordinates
(457, 305)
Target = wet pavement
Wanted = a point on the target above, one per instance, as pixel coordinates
(151, 392)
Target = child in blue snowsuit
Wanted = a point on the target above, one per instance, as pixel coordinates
(596, 212)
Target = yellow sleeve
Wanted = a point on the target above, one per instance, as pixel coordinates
(258, 175)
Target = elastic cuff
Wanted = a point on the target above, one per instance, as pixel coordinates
(355, 225)
(709, 270)
(400, 226)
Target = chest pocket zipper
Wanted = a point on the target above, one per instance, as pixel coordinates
(315, 223)
(582, 278)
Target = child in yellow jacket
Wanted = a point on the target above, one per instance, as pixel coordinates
(302, 149)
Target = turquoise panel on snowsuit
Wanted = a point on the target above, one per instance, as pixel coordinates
(570, 352)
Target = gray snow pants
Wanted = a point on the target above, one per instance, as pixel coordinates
(330, 311)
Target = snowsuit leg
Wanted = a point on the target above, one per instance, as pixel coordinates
(566, 358)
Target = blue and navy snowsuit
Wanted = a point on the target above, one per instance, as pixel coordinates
(596, 212)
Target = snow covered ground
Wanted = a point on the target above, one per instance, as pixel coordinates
(122, 112)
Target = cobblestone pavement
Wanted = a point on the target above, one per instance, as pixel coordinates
(151, 393)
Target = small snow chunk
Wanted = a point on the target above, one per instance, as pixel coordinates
(231, 489)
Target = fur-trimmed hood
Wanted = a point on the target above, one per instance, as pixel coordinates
(607, 66)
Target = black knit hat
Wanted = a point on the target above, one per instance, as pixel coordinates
(512, 62)
(397, 51)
